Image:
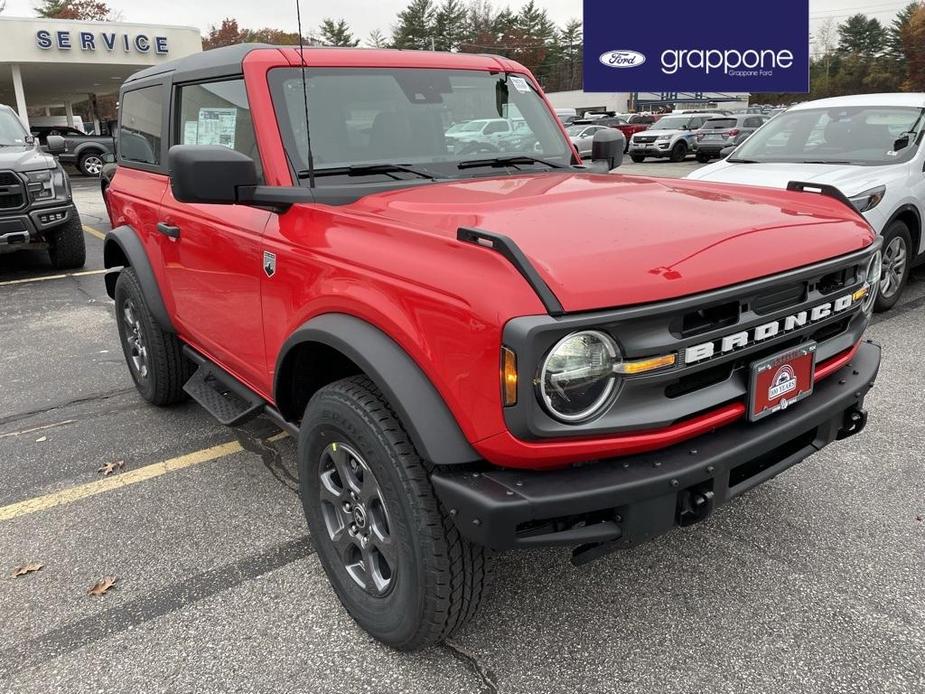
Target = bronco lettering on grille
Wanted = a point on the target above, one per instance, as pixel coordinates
(766, 331)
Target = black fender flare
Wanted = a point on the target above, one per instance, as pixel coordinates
(422, 410)
(122, 247)
(84, 147)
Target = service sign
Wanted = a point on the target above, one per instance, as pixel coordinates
(673, 46)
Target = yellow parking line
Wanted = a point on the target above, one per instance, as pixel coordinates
(117, 481)
(94, 232)
(54, 277)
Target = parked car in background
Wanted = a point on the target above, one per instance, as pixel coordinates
(582, 134)
(869, 147)
(481, 135)
(36, 208)
(725, 131)
(643, 119)
(673, 137)
(83, 151)
(616, 122)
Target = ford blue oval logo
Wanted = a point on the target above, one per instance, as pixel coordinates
(622, 59)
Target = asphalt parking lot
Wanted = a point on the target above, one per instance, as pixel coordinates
(810, 583)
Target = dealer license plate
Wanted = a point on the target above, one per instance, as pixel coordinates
(781, 380)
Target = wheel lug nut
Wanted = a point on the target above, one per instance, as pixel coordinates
(347, 506)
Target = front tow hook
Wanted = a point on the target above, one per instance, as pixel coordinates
(855, 421)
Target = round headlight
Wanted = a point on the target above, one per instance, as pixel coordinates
(874, 272)
(577, 378)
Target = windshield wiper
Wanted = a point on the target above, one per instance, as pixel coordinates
(516, 160)
(825, 161)
(742, 161)
(370, 170)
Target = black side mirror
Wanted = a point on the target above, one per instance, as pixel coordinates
(607, 148)
(55, 144)
(209, 173)
(901, 143)
(213, 174)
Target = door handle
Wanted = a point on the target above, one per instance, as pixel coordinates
(168, 230)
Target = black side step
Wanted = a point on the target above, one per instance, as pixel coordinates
(230, 402)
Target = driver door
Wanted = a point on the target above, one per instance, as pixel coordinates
(213, 253)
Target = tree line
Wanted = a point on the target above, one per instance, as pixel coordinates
(528, 35)
(863, 56)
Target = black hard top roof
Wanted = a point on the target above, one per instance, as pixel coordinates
(212, 63)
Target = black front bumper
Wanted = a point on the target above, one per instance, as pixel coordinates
(26, 228)
(609, 504)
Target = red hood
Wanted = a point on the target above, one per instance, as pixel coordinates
(601, 241)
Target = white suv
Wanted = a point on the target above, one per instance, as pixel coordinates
(869, 147)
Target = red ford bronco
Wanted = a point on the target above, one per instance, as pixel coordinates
(476, 352)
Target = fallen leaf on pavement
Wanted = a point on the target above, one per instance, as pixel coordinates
(110, 468)
(920, 518)
(27, 569)
(102, 585)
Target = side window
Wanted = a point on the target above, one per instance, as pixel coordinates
(496, 128)
(696, 123)
(753, 123)
(217, 113)
(142, 115)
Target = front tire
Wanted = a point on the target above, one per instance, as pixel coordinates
(153, 355)
(637, 159)
(66, 247)
(897, 252)
(679, 152)
(702, 158)
(391, 552)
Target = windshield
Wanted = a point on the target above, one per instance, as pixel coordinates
(671, 124)
(375, 116)
(862, 135)
(575, 130)
(12, 131)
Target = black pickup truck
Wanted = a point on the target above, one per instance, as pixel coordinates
(82, 150)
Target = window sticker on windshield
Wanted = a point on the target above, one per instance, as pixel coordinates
(217, 126)
(520, 84)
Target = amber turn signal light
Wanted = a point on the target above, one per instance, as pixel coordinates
(508, 376)
(641, 366)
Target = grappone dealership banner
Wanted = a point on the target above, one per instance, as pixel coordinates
(669, 46)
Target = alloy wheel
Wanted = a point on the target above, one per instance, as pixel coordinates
(356, 519)
(92, 165)
(134, 337)
(895, 257)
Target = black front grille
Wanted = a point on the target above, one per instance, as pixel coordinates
(12, 192)
(645, 140)
(779, 298)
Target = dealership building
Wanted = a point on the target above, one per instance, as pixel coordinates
(50, 65)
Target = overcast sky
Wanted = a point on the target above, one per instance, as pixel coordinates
(366, 15)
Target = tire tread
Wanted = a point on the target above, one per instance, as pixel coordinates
(462, 571)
